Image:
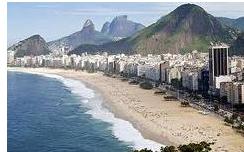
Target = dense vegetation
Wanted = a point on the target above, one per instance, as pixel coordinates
(185, 104)
(238, 46)
(146, 85)
(112, 47)
(235, 23)
(236, 122)
(191, 147)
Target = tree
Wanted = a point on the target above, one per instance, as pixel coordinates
(146, 85)
(223, 99)
(229, 120)
(168, 149)
(185, 104)
(143, 150)
(176, 83)
(216, 107)
(242, 118)
(191, 147)
(234, 116)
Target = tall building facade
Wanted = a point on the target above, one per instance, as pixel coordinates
(10, 59)
(218, 63)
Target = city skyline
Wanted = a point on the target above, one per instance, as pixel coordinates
(47, 19)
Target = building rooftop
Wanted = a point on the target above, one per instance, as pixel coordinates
(218, 45)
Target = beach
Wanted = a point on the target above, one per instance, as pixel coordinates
(165, 122)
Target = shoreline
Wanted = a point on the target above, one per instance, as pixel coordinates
(151, 142)
(162, 121)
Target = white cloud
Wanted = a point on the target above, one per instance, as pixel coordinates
(46, 6)
(224, 9)
(101, 11)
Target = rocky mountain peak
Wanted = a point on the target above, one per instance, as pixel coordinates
(121, 17)
(122, 27)
(36, 36)
(188, 8)
(105, 28)
(34, 45)
(88, 25)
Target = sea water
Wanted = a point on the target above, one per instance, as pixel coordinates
(48, 112)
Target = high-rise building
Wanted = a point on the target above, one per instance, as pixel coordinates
(234, 92)
(10, 59)
(218, 63)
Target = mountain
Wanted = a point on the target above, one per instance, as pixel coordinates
(105, 28)
(121, 46)
(34, 45)
(88, 35)
(187, 28)
(237, 47)
(235, 23)
(121, 27)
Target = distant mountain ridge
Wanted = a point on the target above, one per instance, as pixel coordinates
(88, 35)
(32, 46)
(121, 27)
(237, 47)
(121, 46)
(187, 28)
(235, 23)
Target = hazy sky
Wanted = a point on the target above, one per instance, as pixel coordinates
(55, 20)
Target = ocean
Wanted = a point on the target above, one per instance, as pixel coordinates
(50, 113)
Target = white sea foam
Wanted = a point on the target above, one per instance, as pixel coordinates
(85, 101)
(123, 130)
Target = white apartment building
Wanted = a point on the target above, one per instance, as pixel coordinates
(190, 80)
(150, 71)
(172, 73)
(10, 57)
(225, 87)
(223, 78)
(235, 94)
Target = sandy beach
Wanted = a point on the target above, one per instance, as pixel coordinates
(163, 121)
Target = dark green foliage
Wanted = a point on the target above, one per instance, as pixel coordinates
(229, 120)
(237, 47)
(169, 98)
(176, 83)
(146, 85)
(135, 82)
(242, 118)
(191, 147)
(168, 149)
(143, 150)
(20, 53)
(216, 107)
(121, 46)
(160, 92)
(185, 104)
(234, 116)
(235, 23)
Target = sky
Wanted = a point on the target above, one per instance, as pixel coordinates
(55, 20)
